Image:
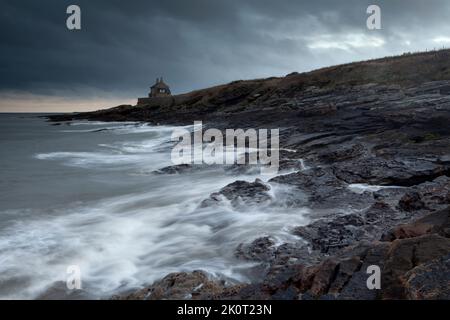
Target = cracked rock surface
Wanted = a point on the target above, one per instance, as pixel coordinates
(369, 156)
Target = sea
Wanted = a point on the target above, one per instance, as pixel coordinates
(87, 195)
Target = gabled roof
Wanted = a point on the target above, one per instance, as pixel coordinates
(160, 84)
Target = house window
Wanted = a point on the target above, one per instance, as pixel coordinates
(162, 90)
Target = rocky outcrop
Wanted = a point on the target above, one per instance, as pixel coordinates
(324, 190)
(376, 138)
(411, 202)
(178, 286)
(434, 223)
(412, 268)
(429, 281)
(239, 193)
(413, 258)
(320, 93)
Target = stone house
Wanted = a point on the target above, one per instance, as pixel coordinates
(159, 89)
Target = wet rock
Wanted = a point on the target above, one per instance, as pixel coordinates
(342, 276)
(389, 133)
(390, 196)
(402, 262)
(280, 276)
(404, 265)
(411, 202)
(380, 214)
(251, 292)
(330, 235)
(395, 172)
(289, 165)
(262, 249)
(323, 189)
(436, 222)
(290, 293)
(297, 252)
(228, 293)
(181, 168)
(314, 110)
(178, 286)
(435, 194)
(59, 291)
(278, 262)
(356, 286)
(241, 192)
(404, 255)
(341, 154)
(323, 276)
(241, 169)
(344, 273)
(430, 281)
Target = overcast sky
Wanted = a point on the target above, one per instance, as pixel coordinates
(124, 45)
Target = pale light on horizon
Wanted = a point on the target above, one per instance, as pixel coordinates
(29, 103)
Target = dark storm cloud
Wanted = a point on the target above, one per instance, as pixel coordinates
(124, 45)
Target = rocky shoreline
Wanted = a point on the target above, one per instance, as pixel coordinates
(375, 138)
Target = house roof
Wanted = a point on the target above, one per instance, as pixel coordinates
(160, 84)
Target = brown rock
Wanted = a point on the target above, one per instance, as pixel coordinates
(436, 222)
(404, 255)
(430, 281)
(323, 277)
(345, 271)
(411, 202)
(179, 286)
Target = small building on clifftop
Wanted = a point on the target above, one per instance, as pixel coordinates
(159, 89)
(159, 93)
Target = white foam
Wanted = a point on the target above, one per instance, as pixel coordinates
(101, 160)
(127, 241)
(360, 188)
(130, 240)
(100, 123)
(121, 128)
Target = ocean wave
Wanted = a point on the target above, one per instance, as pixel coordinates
(157, 227)
(123, 242)
(360, 188)
(124, 127)
(99, 159)
(100, 123)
